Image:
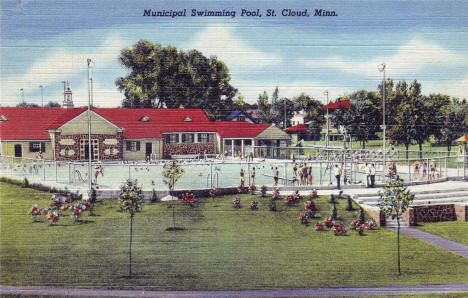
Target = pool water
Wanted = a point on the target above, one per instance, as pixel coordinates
(197, 175)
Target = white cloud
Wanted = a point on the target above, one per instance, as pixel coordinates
(409, 59)
(63, 64)
(218, 40)
(457, 88)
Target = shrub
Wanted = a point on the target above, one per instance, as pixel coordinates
(362, 217)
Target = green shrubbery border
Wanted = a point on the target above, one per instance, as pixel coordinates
(37, 186)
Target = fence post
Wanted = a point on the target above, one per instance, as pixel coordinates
(286, 175)
(428, 171)
(446, 173)
(320, 173)
(409, 170)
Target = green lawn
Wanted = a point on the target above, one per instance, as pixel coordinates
(220, 248)
(452, 230)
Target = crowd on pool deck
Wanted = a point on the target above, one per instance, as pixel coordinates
(302, 174)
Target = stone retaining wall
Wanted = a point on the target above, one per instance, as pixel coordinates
(436, 213)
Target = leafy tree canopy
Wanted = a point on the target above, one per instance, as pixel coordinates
(165, 77)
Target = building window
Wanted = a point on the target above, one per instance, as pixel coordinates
(172, 138)
(132, 145)
(36, 147)
(187, 138)
(241, 118)
(204, 138)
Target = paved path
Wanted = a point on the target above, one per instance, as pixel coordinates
(455, 247)
(416, 289)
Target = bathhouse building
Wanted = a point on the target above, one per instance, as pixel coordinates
(128, 134)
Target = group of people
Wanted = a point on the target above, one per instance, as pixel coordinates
(433, 172)
(305, 174)
(242, 177)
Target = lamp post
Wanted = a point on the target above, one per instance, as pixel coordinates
(42, 96)
(381, 68)
(90, 174)
(328, 125)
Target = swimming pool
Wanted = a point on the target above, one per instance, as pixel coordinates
(198, 175)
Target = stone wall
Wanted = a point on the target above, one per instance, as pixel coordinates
(431, 213)
(189, 148)
(462, 212)
(110, 146)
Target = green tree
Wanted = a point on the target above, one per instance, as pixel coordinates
(52, 104)
(264, 106)
(410, 116)
(451, 122)
(165, 77)
(27, 105)
(131, 199)
(394, 201)
(172, 172)
(315, 117)
(362, 120)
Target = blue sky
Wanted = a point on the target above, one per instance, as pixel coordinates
(47, 42)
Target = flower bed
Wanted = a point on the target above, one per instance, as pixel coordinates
(188, 198)
(237, 203)
(255, 205)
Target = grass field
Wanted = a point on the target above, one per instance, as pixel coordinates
(452, 230)
(219, 248)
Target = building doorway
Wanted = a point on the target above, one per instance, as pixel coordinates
(18, 150)
(149, 150)
(84, 149)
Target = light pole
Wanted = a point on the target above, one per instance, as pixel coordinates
(328, 125)
(284, 101)
(42, 96)
(90, 174)
(381, 68)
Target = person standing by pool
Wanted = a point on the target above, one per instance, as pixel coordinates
(310, 175)
(253, 176)
(304, 174)
(367, 171)
(424, 166)
(372, 175)
(337, 173)
(242, 178)
(276, 176)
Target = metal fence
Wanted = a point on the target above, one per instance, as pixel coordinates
(320, 170)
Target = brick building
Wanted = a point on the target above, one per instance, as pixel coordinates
(127, 134)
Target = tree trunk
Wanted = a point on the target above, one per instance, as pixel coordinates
(420, 150)
(407, 148)
(398, 244)
(363, 144)
(130, 251)
(449, 147)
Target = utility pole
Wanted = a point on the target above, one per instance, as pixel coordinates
(328, 124)
(90, 174)
(42, 96)
(92, 97)
(381, 68)
(284, 101)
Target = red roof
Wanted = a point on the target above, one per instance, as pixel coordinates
(229, 129)
(344, 104)
(33, 123)
(28, 123)
(297, 128)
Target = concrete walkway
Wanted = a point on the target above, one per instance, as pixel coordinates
(396, 290)
(452, 246)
